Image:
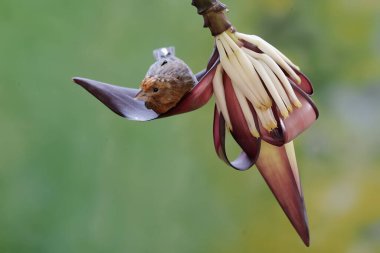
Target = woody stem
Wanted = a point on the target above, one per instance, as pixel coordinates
(213, 12)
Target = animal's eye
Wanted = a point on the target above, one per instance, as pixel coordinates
(164, 62)
(155, 89)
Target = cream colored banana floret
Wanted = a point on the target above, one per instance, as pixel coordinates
(220, 98)
(253, 75)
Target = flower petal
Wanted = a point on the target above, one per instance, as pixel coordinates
(119, 99)
(305, 84)
(250, 46)
(243, 162)
(301, 118)
(276, 168)
(213, 58)
(241, 132)
(297, 122)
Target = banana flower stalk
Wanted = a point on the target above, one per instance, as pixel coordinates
(261, 97)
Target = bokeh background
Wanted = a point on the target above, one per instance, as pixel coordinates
(74, 177)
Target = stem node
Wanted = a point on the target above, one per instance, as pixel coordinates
(213, 12)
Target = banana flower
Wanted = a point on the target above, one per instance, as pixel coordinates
(261, 98)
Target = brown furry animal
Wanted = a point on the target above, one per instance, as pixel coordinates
(166, 81)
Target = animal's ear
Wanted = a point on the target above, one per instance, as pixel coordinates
(163, 52)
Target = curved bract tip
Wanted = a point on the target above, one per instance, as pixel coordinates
(119, 99)
(305, 83)
(244, 161)
(278, 167)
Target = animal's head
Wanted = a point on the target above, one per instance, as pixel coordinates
(161, 94)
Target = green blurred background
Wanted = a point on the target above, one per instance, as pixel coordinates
(74, 177)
